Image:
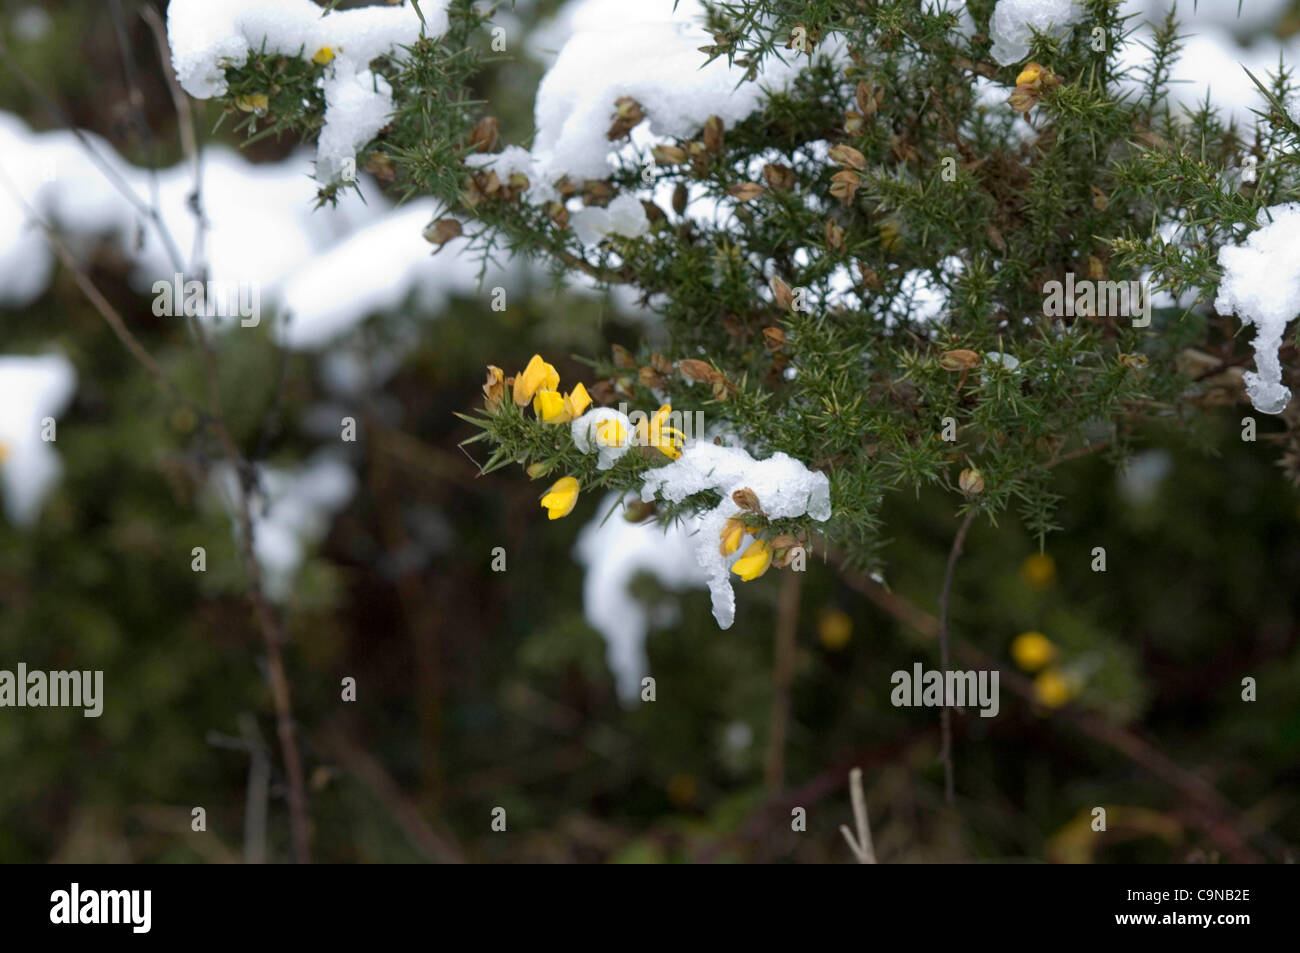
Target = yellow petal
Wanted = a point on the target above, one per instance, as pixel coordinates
(252, 103)
(561, 498)
(611, 433)
(1029, 75)
(577, 402)
(753, 562)
(732, 535)
(494, 388)
(538, 375)
(549, 407)
(324, 56)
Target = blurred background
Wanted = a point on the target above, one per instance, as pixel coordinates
(519, 689)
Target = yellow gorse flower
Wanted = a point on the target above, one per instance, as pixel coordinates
(1029, 75)
(1038, 571)
(548, 405)
(834, 629)
(324, 56)
(253, 102)
(1032, 650)
(611, 433)
(1053, 688)
(732, 535)
(538, 375)
(553, 408)
(561, 498)
(654, 433)
(753, 562)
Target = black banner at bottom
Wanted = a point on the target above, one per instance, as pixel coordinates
(93, 904)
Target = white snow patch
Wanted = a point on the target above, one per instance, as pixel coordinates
(585, 437)
(614, 553)
(207, 36)
(624, 216)
(292, 513)
(650, 52)
(1261, 284)
(1012, 21)
(783, 485)
(31, 389)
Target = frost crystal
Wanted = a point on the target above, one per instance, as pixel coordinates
(783, 485)
(1013, 19)
(1261, 284)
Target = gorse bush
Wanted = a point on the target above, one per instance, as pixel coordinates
(886, 239)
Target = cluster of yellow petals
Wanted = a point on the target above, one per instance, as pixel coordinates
(653, 432)
(539, 384)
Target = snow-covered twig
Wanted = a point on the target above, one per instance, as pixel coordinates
(861, 845)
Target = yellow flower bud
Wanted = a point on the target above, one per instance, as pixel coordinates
(324, 56)
(834, 628)
(753, 562)
(561, 498)
(1038, 571)
(889, 236)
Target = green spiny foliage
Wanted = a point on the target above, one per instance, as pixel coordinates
(887, 169)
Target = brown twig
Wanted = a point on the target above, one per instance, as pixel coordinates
(185, 128)
(1075, 454)
(787, 623)
(215, 419)
(439, 848)
(945, 713)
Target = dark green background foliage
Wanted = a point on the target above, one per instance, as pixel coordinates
(479, 689)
